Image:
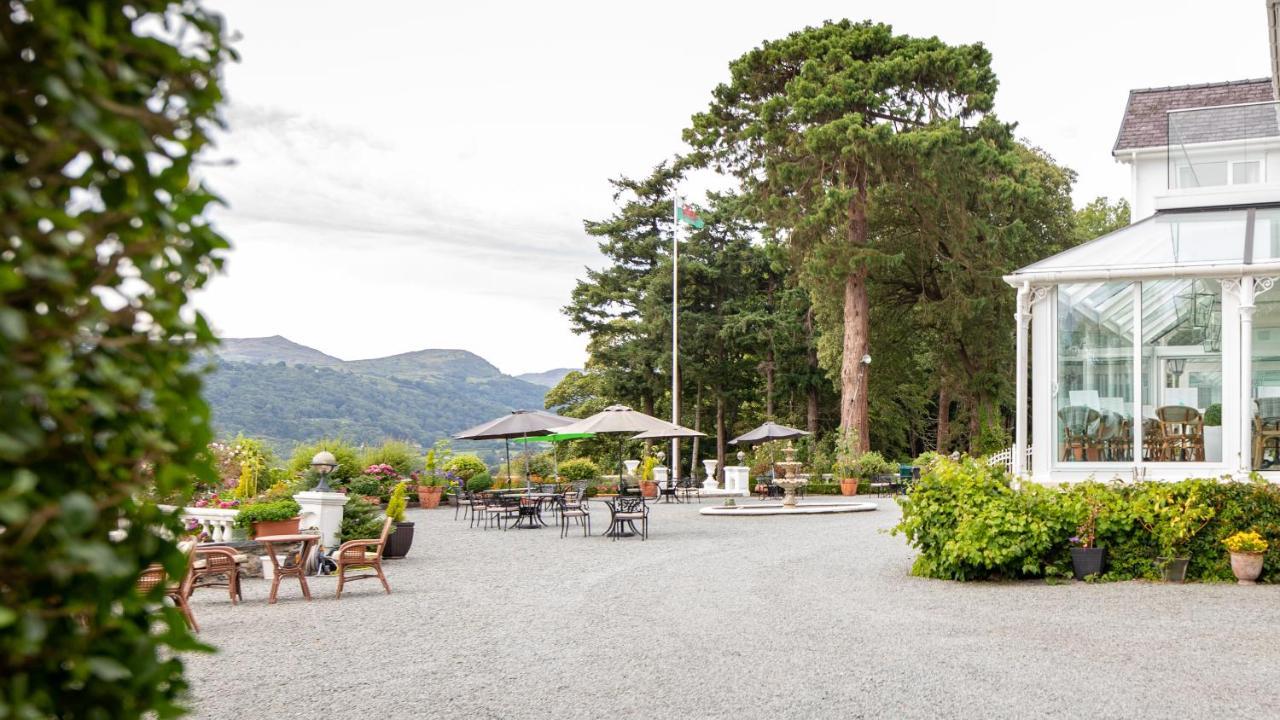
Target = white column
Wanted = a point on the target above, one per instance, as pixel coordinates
(1246, 375)
(322, 510)
(1044, 369)
(737, 478)
(1022, 317)
(660, 476)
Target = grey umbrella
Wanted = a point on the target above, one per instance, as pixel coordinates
(622, 420)
(517, 423)
(766, 433)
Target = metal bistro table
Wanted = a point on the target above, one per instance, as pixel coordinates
(298, 569)
(530, 517)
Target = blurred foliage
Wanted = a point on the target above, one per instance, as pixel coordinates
(107, 108)
(403, 456)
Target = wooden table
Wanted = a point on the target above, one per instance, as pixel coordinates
(299, 570)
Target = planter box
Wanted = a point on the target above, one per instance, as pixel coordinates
(1088, 561)
(399, 542)
(276, 527)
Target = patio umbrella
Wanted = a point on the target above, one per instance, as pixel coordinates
(555, 439)
(623, 421)
(516, 424)
(766, 433)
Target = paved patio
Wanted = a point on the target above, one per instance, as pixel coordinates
(727, 617)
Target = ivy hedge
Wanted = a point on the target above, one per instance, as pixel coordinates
(969, 522)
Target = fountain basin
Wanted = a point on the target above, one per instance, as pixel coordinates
(780, 509)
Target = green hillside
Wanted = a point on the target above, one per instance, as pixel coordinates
(263, 387)
(549, 378)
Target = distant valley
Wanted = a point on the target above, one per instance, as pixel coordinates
(287, 393)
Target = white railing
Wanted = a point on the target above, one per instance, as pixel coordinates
(217, 522)
(1005, 458)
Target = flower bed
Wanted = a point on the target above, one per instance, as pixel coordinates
(969, 523)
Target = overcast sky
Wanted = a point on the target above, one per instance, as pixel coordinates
(414, 175)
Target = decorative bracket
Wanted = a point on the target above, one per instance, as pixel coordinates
(1262, 284)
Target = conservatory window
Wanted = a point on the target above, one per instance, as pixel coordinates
(1181, 370)
(1094, 391)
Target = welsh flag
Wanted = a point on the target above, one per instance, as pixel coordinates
(688, 215)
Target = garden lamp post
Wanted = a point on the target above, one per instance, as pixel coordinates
(324, 463)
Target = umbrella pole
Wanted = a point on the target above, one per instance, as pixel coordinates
(507, 444)
(526, 462)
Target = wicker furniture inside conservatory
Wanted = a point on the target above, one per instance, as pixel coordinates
(1079, 424)
(363, 555)
(1266, 433)
(1182, 430)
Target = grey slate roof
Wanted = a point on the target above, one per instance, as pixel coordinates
(1145, 123)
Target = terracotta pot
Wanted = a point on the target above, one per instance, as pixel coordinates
(276, 527)
(1247, 567)
(399, 542)
(649, 489)
(429, 497)
(849, 486)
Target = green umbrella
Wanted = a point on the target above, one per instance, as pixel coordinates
(555, 438)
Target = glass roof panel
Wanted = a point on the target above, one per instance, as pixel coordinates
(1266, 234)
(1164, 240)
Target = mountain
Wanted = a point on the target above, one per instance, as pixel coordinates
(288, 393)
(549, 378)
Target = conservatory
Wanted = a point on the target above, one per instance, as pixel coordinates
(1153, 351)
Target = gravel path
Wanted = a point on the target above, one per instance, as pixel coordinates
(724, 617)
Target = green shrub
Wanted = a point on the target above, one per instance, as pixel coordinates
(822, 489)
(579, 470)
(366, 485)
(465, 466)
(398, 454)
(361, 520)
(1213, 415)
(348, 457)
(398, 502)
(870, 464)
(266, 512)
(480, 482)
(964, 520)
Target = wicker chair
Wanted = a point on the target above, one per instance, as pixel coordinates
(217, 567)
(1183, 431)
(155, 576)
(573, 507)
(363, 555)
(1266, 433)
(1078, 423)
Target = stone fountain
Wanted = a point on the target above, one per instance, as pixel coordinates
(789, 482)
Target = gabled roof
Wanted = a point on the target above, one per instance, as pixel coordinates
(1145, 123)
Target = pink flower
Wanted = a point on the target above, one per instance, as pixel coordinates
(202, 503)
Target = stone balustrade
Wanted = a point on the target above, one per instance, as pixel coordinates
(217, 522)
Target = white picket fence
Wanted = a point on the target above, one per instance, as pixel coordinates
(1005, 458)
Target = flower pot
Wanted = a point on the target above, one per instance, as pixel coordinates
(372, 499)
(276, 527)
(1173, 569)
(849, 486)
(649, 489)
(429, 497)
(1087, 561)
(399, 542)
(1247, 566)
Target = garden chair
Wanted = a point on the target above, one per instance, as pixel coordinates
(1266, 433)
(629, 510)
(155, 576)
(501, 508)
(478, 505)
(217, 567)
(363, 555)
(1078, 423)
(1152, 441)
(1183, 431)
(461, 499)
(577, 510)
(687, 487)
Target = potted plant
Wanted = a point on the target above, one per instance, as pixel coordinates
(1172, 521)
(648, 488)
(1086, 557)
(1247, 550)
(399, 542)
(367, 487)
(867, 466)
(430, 485)
(276, 517)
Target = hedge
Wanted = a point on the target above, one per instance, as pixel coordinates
(968, 522)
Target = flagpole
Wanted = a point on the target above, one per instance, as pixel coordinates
(675, 332)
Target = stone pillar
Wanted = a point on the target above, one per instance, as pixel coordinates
(322, 510)
(737, 478)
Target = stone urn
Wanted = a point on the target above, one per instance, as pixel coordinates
(710, 482)
(1247, 566)
(631, 466)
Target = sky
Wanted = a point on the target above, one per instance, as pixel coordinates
(410, 175)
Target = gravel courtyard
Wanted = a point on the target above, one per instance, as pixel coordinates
(712, 617)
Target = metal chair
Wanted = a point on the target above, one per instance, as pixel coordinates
(576, 510)
(627, 511)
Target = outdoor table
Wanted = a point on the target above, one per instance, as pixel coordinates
(298, 570)
(531, 510)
